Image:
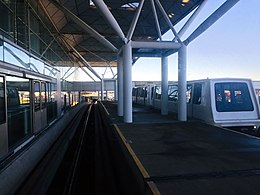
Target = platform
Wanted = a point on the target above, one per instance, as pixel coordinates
(192, 157)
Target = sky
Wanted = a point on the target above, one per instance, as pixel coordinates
(229, 48)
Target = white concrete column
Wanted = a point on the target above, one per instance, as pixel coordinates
(164, 85)
(182, 83)
(120, 103)
(102, 89)
(115, 90)
(127, 73)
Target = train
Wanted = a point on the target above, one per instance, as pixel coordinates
(31, 97)
(223, 102)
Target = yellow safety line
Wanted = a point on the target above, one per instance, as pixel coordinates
(140, 166)
(130, 150)
(153, 188)
(105, 108)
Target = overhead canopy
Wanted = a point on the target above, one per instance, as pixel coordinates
(79, 25)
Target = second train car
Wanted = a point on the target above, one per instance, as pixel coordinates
(225, 102)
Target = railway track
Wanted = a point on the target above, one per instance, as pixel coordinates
(95, 162)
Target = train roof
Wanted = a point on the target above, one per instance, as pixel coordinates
(207, 80)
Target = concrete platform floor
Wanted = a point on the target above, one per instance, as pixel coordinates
(192, 157)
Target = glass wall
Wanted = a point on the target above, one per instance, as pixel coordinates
(51, 102)
(20, 22)
(2, 101)
(18, 109)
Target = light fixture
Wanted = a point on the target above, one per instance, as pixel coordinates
(171, 15)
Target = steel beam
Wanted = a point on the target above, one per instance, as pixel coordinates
(191, 19)
(76, 68)
(66, 72)
(166, 17)
(85, 26)
(155, 44)
(82, 68)
(84, 61)
(102, 7)
(134, 21)
(156, 20)
(224, 8)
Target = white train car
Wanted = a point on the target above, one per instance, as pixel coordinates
(221, 102)
(257, 89)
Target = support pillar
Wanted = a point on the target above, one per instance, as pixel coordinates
(98, 95)
(115, 90)
(164, 85)
(120, 104)
(182, 83)
(127, 73)
(102, 90)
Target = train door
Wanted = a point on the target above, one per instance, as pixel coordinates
(40, 112)
(3, 118)
(188, 99)
(43, 105)
(196, 100)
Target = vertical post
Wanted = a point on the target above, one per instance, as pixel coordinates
(127, 72)
(115, 90)
(182, 83)
(164, 85)
(102, 89)
(58, 97)
(120, 104)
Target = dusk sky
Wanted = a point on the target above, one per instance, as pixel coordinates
(229, 48)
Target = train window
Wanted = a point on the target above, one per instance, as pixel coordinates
(53, 92)
(158, 92)
(173, 93)
(18, 109)
(37, 97)
(152, 93)
(197, 93)
(43, 95)
(2, 101)
(232, 97)
(52, 103)
(188, 93)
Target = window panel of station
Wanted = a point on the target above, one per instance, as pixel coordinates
(2, 101)
(18, 109)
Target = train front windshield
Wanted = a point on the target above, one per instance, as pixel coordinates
(233, 97)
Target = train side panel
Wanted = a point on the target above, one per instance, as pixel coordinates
(200, 104)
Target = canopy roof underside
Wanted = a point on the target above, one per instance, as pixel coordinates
(72, 35)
